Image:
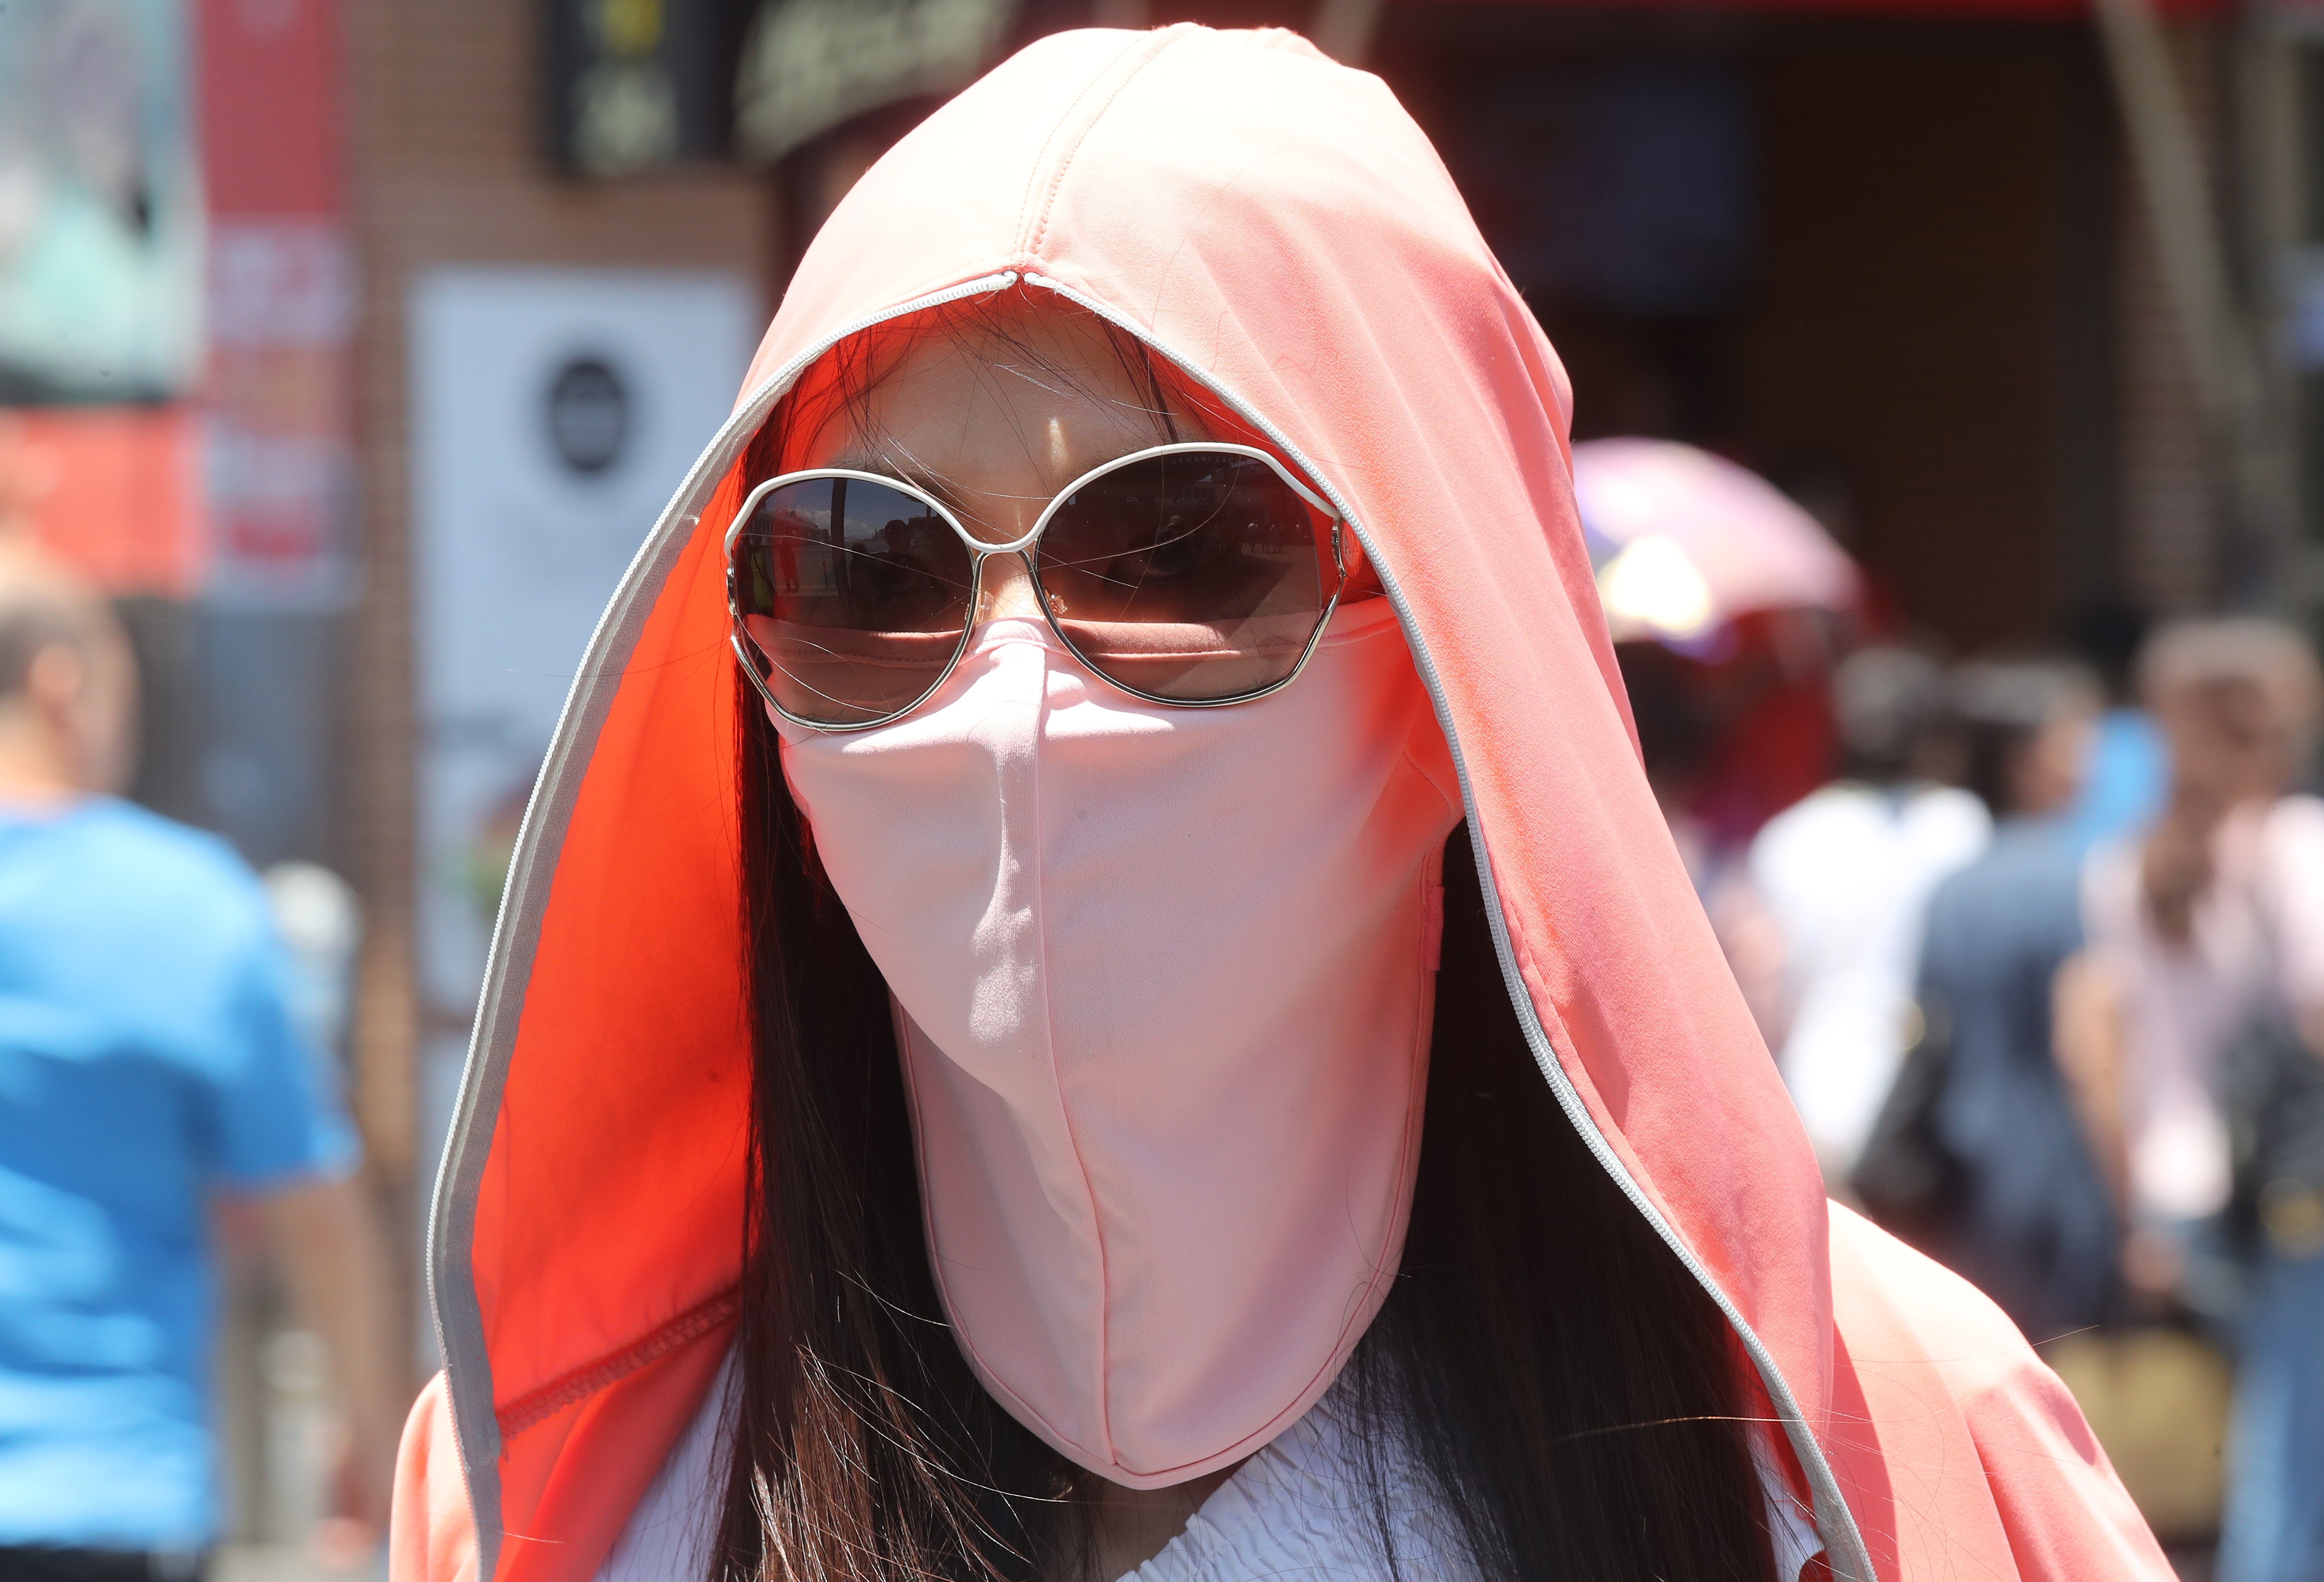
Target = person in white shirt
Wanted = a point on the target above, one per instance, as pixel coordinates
(1847, 873)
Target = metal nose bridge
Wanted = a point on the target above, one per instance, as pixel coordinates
(984, 551)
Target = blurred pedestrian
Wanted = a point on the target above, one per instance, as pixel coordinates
(148, 1061)
(2208, 931)
(1846, 875)
(1676, 740)
(2127, 774)
(1980, 1158)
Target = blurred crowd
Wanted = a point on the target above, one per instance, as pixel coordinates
(2037, 941)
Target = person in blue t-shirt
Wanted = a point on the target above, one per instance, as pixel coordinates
(2127, 772)
(148, 1065)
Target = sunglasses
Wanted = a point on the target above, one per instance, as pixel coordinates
(1198, 575)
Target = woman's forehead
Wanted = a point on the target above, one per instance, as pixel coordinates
(1003, 404)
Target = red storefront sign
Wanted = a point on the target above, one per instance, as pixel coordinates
(281, 305)
(116, 491)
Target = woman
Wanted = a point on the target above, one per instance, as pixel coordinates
(972, 1094)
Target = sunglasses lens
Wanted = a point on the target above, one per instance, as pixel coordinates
(1198, 576)
(856, 594)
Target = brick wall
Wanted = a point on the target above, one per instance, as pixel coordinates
(1905, 330)
(2170, 512)
(445, 167)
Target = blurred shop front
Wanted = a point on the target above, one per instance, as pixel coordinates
(1896, 253)
(1895, 257)
(358, 403)
(176, 317)
(1868, 257)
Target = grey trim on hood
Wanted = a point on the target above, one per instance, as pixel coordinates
(516, 932)
(459, 1318)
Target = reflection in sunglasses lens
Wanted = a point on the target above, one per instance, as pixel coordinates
(857, 594)
(1198, 576)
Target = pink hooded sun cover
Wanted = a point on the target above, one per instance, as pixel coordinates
(1276, 226)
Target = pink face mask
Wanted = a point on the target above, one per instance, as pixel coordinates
(1164, 983)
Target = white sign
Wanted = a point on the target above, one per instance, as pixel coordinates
(554, 413)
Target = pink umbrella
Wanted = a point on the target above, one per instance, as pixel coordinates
(1683, 541)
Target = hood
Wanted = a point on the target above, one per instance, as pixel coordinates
(1276, 226)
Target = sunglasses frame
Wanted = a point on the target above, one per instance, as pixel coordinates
(1022, 548)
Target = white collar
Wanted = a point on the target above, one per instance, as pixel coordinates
(1297, 1511)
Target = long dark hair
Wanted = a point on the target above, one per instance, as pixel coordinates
(1584, 1410)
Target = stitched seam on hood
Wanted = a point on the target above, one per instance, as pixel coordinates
(1032, 228)
(536, 1406)
(1029, 1414)
(1064, 1110)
